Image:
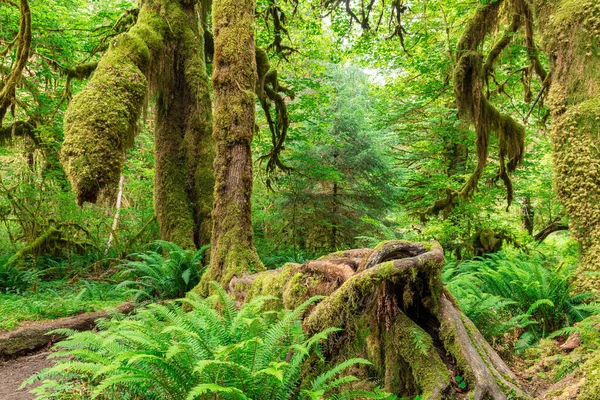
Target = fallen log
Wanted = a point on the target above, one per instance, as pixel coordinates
(34, 337)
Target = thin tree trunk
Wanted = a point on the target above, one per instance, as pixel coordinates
(117, 213)
(234, 80)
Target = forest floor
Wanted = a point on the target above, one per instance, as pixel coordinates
(14, 372)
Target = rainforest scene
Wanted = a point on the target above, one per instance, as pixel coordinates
(300, 199)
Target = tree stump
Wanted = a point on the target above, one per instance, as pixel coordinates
(394, 311)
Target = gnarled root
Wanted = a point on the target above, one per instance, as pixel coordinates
(394, 311)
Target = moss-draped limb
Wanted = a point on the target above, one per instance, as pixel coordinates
(162, 53)
(10, 81)
(394, 311)
(100, 121)
(18, 129)
(234, 82)
(470, 75)
(269, 90)
(571, 34)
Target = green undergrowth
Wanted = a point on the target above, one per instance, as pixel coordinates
(517, 299)
(565, 370)
(216, 350)
(56, 299)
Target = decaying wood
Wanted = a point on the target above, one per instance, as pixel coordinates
(34, 337)
(394, 311)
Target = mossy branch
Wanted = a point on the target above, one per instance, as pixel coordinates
(470, 76)
(270, 91)
(12, 79)
(101, 121)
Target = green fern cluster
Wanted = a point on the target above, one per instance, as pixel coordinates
(214, 351)
(14, 280)
(168, 272)
(522, 293)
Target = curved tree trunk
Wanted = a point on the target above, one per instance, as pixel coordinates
(162, 53)
(394, 311)
(571, 33)
(234, 80)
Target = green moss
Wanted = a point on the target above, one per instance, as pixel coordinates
(100, 122)
(234, 81)
(571, 31)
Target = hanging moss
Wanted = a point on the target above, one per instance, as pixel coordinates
(270, 91)
(163, 53)
(470, 77)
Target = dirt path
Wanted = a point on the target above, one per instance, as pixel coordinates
(14, 372)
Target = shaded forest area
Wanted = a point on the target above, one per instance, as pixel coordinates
(300, 199)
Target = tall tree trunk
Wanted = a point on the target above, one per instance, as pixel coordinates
(571, 34)
(234, 80)
(163, 52)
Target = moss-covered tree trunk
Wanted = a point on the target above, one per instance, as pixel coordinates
(571, 36)
(394, 311)
(163, 53)
(184, 146)
(234, 79)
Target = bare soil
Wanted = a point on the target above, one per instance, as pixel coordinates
(14, 372)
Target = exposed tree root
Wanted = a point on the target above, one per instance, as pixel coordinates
(394, 310)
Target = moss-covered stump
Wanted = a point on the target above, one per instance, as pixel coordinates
(393, 309)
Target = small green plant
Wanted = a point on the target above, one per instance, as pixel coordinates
(460, 382)
(13, 280)
(421, 340)
(213, 351)
(167, 272)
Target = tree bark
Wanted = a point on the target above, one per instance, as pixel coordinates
(162, 53)
(571, 33)
(550, 229)
(234, 81)
(394, 311)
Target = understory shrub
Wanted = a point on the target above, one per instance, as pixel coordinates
(214, 351)
(524, 296)
(166, 272)
(14, 280)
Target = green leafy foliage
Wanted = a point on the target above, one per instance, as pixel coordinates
(340, 183)
(13, 280)
(527, 295)
(215, 349)
(168, 272)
